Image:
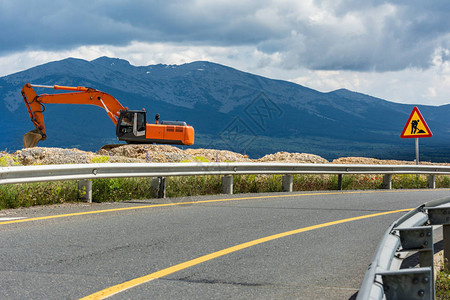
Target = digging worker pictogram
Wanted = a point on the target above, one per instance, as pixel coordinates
(414, 124)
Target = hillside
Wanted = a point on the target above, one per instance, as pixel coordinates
(229, 109)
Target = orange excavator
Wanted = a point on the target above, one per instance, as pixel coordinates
(131, 125)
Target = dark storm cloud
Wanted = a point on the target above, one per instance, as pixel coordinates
(64, 24)
(325, 35)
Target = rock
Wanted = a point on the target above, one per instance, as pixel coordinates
(48, 156)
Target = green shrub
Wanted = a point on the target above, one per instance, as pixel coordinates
(117, 189)
(100, 159)
(306, 182)
(362, 182)
(256, 183)
(8, 160)
(442, 181)
(31, 194)
(409, 181)
(443, 284)
(193, 185)
(200, 159)
(196, 159)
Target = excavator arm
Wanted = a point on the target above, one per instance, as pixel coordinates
(78, 95)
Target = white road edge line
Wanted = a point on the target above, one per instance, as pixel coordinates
(10, 219)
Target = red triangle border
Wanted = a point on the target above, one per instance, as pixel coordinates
(430, 134)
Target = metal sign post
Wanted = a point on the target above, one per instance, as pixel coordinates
(417, 151)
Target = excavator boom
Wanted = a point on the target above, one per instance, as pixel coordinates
(138, 132)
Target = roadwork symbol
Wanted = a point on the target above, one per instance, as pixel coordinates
(416, 127)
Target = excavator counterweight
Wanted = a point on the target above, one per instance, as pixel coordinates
(131, 125)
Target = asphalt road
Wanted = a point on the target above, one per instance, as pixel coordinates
(54, 254)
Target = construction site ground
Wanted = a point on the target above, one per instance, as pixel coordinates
(124, 153)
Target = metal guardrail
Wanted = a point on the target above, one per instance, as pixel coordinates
(24, 174)
(385, 279)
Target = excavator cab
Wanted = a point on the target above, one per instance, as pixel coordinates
(131, 126)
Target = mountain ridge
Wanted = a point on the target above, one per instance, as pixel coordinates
(230, 109)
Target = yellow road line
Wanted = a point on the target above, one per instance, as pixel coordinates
(191, 202)
(170, 270)
(163, 205)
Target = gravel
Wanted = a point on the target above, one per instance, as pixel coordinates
(165, 153)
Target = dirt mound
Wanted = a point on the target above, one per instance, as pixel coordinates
(216, 155)
(374, 161)
(47, 156)
(52, 156)
(124, 153)
(145, 153)
(293, 158)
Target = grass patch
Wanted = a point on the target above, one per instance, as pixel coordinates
(409, 181)
(256, 183)
(31, 194)
(43, 193)
(100, 159)
(8, 160)
(180, 186)
(443, 283)
(118, 189)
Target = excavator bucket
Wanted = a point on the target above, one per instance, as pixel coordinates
(31, 138)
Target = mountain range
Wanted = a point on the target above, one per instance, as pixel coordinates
(228, 108)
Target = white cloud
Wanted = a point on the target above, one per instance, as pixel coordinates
(411, 85)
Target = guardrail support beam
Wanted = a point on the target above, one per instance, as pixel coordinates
(85, 190)
(159, 187)
(339, 187)
(227, 184)
(287, 183)
(387, 181)
(431, 180)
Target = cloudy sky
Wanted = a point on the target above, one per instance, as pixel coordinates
(395, 50)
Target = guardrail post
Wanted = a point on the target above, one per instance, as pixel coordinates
(159, 186)
(227, 184)
(85, 190)
(287, 183)
(339, 187)
(387, 181)
(431, 180)
(441, 216)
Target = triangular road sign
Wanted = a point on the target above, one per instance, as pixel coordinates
(416, 127)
